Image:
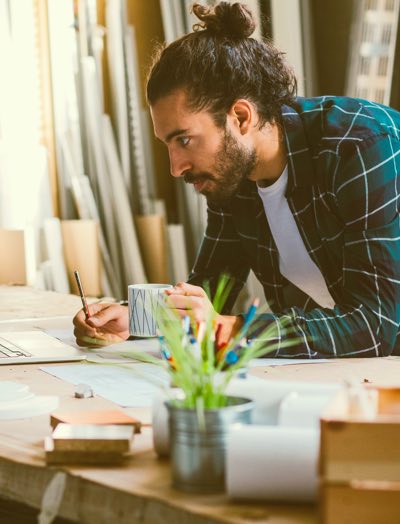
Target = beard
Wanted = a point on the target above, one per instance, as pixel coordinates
(233, 164)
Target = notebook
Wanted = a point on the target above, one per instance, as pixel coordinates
(24, 347)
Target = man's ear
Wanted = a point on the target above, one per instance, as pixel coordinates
(242, 113)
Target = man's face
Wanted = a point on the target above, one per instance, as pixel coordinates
(210, 158)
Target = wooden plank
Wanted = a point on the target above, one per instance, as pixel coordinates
(17, 261)
(147, 21)
(82, 253)
(47, 137)
(152, 239)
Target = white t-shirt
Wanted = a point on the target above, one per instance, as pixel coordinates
(294, 261)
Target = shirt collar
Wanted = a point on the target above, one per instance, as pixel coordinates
(298, 150)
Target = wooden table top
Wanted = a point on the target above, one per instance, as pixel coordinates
(139, 490)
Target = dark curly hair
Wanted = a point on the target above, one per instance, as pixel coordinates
(219, 63)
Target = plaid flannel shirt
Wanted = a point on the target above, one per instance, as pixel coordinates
(343, 191)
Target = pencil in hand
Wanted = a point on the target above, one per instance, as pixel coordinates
(82, 294)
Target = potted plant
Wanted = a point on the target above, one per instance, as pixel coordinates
(199, 417)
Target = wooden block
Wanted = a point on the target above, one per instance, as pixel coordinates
(360, 462)
(110, 416)
(92, 438)
(389, 401)
(54, 456)
(356, 449)
(360, 502)
(360, 450)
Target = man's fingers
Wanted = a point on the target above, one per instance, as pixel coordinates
(87, 331)
(185, 302)
(79, 318)
(182, 288)
(98, 319)
(94, 309)
(197, 306)
(92, 342)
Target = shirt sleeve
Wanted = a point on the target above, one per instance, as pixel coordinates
(220, 252)
(366, 321)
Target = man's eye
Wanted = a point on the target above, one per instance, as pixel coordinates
(184, 140)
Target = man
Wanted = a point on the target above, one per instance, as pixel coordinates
(302, 191)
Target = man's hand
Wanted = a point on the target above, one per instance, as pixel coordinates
(193, 301)
(108, 324)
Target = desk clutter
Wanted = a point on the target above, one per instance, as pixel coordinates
(310, 440)
(275, 457)
(88, 444)
(90, 437)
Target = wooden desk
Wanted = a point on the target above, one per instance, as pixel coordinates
(139, 491)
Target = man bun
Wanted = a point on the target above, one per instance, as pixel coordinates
(228, 20)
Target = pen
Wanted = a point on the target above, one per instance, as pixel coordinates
(82, 294)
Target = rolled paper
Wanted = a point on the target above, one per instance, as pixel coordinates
(268, 394)
(272, 463)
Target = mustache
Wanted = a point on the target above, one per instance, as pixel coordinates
(190, 178)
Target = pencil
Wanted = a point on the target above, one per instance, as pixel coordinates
(82, 294)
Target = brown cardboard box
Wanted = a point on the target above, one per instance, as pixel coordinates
(360, 462)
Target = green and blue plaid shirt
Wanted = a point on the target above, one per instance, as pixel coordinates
(343, 190)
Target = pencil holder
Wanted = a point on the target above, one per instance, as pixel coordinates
(198, 443)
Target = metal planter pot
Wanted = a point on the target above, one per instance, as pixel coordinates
(197, 453)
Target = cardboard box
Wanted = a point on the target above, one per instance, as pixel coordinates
(360, 461)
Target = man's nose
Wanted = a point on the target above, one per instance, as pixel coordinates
(179, 165)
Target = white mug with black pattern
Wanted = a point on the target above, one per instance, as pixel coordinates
(144, 306)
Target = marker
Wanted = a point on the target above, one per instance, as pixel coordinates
(251, 312)
(186, 324)
(201, 331)
(231, 358)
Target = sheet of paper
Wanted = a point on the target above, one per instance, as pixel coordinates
(133, 387)
(115, 352)
(125, 351)
(287, 361)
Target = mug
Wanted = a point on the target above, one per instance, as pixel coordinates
(143, 304)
